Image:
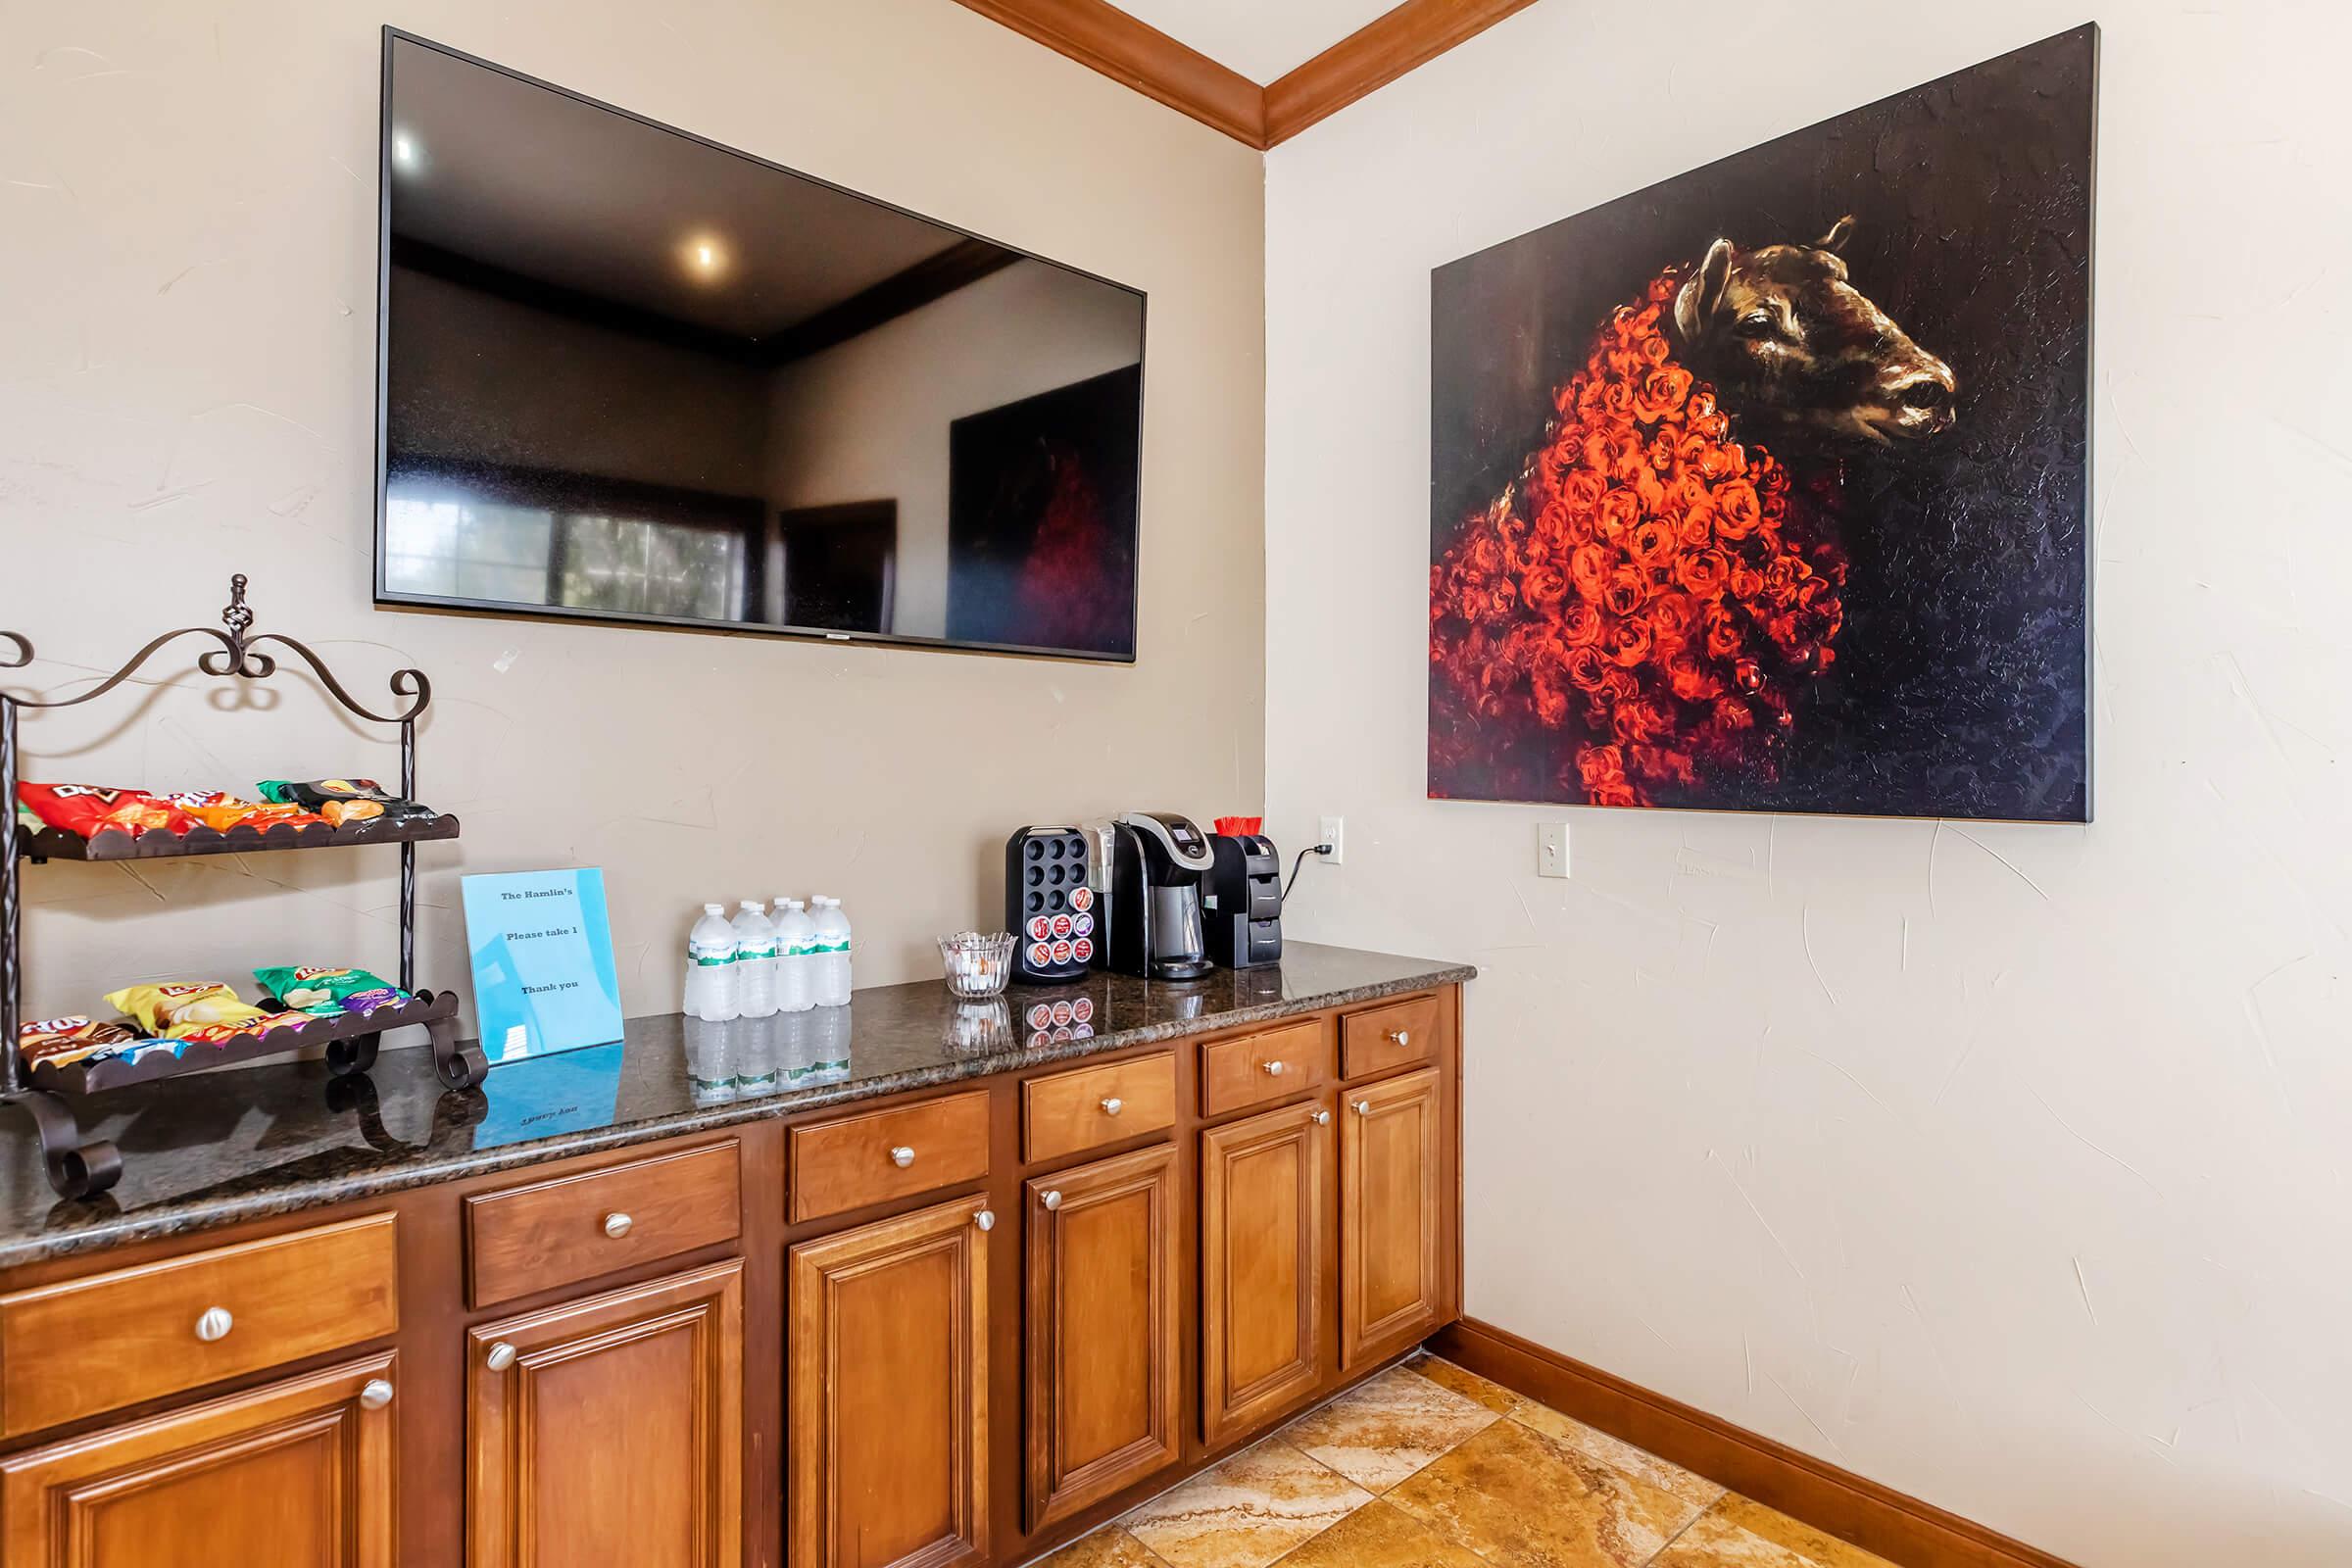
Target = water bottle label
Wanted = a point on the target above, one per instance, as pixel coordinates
(755, 953)
(842, 945)
(712, 960)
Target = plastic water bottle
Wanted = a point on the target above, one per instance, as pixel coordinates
(796, 957)
(756, 960)
(833, 952)
(710, 981)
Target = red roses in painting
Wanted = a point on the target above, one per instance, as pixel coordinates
(1644, 591)
(1651, 593)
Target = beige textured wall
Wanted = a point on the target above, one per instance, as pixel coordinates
(187, 277)
(2004, 1164)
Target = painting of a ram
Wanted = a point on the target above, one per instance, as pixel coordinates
(1765, 488)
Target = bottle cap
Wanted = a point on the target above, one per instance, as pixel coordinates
(714, 909)
(753, 904)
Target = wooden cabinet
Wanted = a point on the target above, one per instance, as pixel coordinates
(1391, 1220)
(541, 1235)
(887, 1385)
(1103, 1353)
(613, 1419)
(773, 1339)
(1263, 1300)
(105, 1341)
(294, 1474)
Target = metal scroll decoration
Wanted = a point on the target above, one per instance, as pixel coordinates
(78, 1169)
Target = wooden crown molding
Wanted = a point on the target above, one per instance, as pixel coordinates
(1099, 35)
(1878, 1518)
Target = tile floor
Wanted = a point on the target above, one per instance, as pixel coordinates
(1429, 1466)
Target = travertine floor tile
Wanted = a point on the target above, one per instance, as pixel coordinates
(1812, 1544)
(1520, 1498)
(1636, 1463)
(1246, 1511)
(1494, 1396)
(1383, 1431)
(1714, 1542)
(1381, 1535)
(1107, 1548)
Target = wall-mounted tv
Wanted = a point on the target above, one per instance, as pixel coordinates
(629, 375)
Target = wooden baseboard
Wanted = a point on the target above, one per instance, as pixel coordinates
(1900, 1527)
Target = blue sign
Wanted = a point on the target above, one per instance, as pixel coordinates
(569, 1094)
(542, 973)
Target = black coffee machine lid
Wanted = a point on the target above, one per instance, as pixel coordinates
(1184, 844)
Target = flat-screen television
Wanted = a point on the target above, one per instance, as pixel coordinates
(629, 375)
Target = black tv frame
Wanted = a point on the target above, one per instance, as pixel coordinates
(385, 598)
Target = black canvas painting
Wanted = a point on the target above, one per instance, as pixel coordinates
(1767, 488)
(1041, 518)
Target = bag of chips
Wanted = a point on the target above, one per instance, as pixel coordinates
(60, 1041)
(223, 812)
(91, 810)
(329, 993)
(260, 1023)
(352, 797)
(173, 1010)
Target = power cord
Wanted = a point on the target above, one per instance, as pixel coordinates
(1313, 849)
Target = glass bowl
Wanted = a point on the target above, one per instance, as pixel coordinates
(977, 966)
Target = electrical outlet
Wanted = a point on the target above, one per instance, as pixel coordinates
(1335, 834)
(1551, 849)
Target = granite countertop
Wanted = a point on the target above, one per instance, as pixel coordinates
(219, 1147)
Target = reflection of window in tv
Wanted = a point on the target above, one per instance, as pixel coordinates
(525, 536)
(836, 566)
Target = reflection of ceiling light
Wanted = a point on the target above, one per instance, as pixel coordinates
(705, 257)
(403, 149)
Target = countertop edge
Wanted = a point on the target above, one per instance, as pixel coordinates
(204, 1215)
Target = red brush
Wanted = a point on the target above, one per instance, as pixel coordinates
(1237, 826)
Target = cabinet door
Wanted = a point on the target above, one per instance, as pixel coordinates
(614, 1418)
(1392, 1171)
(295, 1474)
(888, 1372)
(1262, 1264)
(1102, 1317)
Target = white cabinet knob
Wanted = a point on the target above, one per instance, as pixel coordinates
(1052, 1201)
(617, 1225)
(214, 1324)
(1322, 1118)
(986, 1219)
(1401, 1036)
(1113, 1105)
(902, 1157)
(1363, 1107)
(1274, 1069)
(501, 1356)
(377, 1395)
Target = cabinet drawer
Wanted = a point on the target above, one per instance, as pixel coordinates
(857, 1160)
(1073, 1112)
(1260, 1069)
(540, 1235)
(82, 1345)
(1396, 1035)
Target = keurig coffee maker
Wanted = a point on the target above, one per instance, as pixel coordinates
(1244, 901)
(1153, 926)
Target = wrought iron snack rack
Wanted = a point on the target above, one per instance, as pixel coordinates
(79, 1169)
